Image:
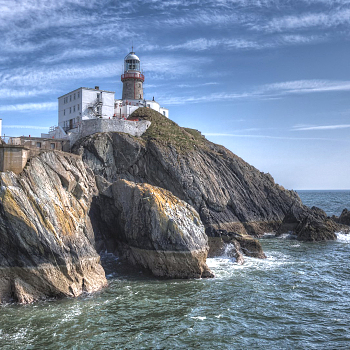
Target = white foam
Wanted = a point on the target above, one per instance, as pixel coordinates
(224, 267)
(343, 237)
(287, 235)
(199, 318)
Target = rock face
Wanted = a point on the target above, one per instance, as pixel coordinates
(309, 224)
(52, 219)
(344, 217)
(47, 242)
(229, 194)
(154, 229)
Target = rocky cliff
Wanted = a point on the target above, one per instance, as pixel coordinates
(47, 242)
(229, 194)
(232, 197)
(149, 198)
(52, 214)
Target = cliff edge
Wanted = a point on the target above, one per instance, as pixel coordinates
(47, 241)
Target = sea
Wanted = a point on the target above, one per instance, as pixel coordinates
(297, 298)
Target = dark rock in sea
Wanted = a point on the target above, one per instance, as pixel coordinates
(344, 217)
(309, 224)
(228, 193)
(47, 242)
(153, 229)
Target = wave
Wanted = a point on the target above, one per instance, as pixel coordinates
(343, 237)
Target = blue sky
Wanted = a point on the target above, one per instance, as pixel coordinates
(268, 79)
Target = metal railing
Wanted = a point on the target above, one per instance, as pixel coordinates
(139, 76)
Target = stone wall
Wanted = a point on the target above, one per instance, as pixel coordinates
(13, 158)
(92, 126)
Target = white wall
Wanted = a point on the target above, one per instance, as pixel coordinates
(74, 105)
(164, 111)
(92, 126)
(69, 106)
(90, 98)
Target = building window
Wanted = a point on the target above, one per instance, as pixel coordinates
(78, 94)
(64, 112)
(52, 145)
(73, 108)
(38, 144)
(163, 112)
(70, 109)
(74, 96)
(78, 107)
(70, 98)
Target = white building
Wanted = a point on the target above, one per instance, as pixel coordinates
(78, 107)
(82, 104)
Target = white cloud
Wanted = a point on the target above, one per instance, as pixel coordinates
(26, 127)
(205, 44)
(15, 93)
(300, 39)
(44, 76)
(321, 19)
(268, 91)
(322, 127)
(266, 136)
(30, 106)
(306, 86)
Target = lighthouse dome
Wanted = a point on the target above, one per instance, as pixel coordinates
(131, 62)
(132, 56)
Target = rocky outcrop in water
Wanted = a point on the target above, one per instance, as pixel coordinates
(310, 224)
(153, 229)
(47, 242)
(344, 217)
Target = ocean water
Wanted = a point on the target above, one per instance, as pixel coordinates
(298, 298)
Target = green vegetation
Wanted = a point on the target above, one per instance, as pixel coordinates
(166, 132)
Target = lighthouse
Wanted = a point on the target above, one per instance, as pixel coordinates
(132, 78)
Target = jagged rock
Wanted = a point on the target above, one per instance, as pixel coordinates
(154, 229)
(228, 193)
(47, 242)
(309, 224)
(344, 217)
(238, 245)
(225, 247)
(250, 246)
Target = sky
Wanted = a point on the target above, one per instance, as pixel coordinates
(268, 79)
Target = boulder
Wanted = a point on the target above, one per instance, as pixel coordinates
(153, 229)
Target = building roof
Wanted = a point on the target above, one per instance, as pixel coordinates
(86, 88)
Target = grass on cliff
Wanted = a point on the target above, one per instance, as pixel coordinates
(167, 132)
